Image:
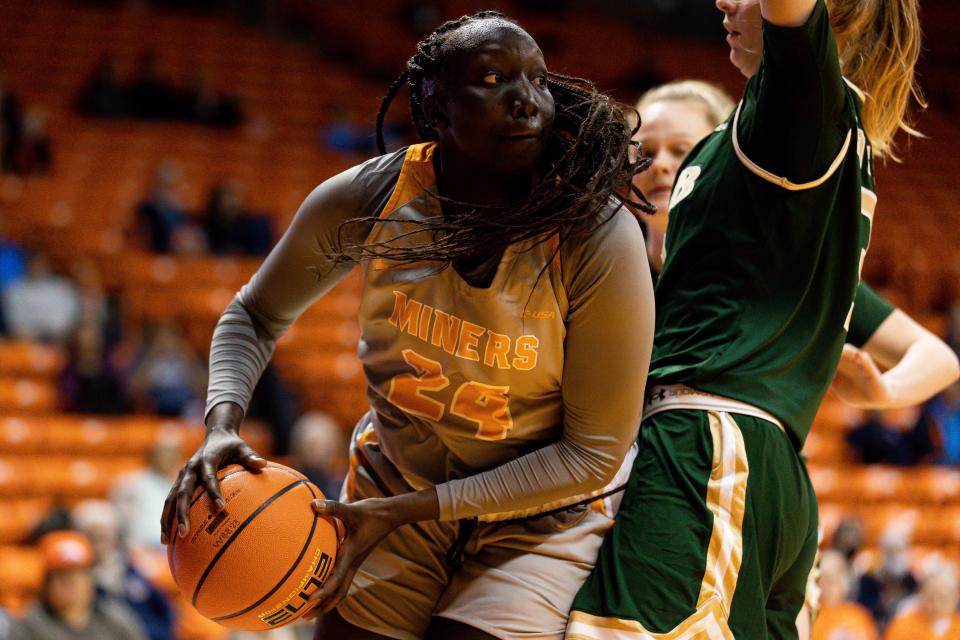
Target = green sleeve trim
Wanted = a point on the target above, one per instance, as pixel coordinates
(869, 312)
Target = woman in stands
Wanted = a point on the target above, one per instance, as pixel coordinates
(503, 294)
(769, 222)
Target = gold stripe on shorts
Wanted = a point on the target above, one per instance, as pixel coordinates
(708, 623)
(726, 499)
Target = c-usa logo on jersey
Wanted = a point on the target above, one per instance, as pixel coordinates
(684, 185)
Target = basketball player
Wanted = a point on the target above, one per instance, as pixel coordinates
(769, 222)
(917, 365)
(506, 327)
(673, 118)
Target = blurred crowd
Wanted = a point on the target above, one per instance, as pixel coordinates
(227, 226)
(148, 95)
(869, 595)
(25, 146)
(908, 436)
(105, 574)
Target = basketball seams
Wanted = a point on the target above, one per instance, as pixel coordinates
(201, 493)
(282, 580)
(236, 534)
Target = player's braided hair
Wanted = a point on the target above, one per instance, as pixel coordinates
(587, 160)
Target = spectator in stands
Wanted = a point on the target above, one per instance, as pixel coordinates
(11, 123)
(848, 537)
(889, 581)
(90, 382)
(201, 103)
(317, 447)
(115, 576)
(139, 498)
(945, 411)
(12, 257)
(103, 96)
(935, 617)
(168, 378)
(161, 218)
(231, 228)
(12, 266)
(96, 305)
(6, 625)
(901, 436)
(32, 152)
(839, 618)
(43, 305)
(150, 96)
(275, 403)
(69, 606)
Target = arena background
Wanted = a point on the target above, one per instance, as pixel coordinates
(150, 148)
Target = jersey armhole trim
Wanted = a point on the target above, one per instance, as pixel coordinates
(417, 167)
(779, 180)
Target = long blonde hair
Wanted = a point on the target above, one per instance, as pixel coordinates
(879, 43)
(716, 104)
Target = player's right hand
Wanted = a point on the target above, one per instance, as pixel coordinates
(220, 448)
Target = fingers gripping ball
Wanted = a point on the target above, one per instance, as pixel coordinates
(253, 565)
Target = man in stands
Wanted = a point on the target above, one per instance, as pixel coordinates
(839, 618)
(935, 617)
(69, 608)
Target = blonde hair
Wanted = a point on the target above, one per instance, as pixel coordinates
(716, 104)
(879, 43)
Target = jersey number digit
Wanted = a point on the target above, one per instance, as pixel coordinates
(484, 404)
(405, 389)
(684, 185)
(487, 406)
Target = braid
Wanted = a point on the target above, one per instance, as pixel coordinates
(587, 161)
(391, 94)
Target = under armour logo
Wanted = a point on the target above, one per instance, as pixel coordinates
(659, 395)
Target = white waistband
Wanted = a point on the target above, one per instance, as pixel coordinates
(677, 396)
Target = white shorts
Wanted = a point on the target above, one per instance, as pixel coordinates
(513, 579)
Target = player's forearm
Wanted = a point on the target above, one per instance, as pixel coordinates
(238, 355)
(928, 367)
(410, 507)
(553, 476)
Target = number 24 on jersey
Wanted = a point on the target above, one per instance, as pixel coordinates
(483, 404)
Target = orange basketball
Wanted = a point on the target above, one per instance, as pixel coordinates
(253, 565)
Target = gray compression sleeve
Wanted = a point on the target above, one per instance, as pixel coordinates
(298, 270)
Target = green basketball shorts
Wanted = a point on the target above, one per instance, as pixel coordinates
(716, 534)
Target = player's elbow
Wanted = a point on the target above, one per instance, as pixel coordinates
(941, 359)
(601, 472)
(951, 366)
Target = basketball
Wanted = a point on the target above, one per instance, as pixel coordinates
(253, 565)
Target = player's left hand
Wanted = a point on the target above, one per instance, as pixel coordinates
(859, 382)
(365, 524)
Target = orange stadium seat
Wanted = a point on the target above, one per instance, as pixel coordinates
(21, 435)
(21, 574)
(29, 359)
(27, 396)
(18, 516)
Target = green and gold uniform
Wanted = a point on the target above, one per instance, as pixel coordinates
(769, 224)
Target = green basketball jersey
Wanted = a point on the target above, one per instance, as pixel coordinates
(756, 293)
